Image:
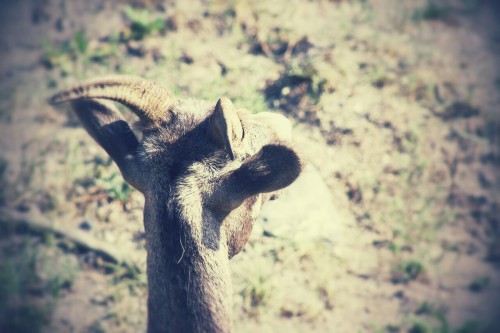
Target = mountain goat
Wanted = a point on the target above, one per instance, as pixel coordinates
(204, 170)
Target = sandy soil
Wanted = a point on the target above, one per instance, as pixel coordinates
(393, 227)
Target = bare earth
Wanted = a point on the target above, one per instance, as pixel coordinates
(394, 225)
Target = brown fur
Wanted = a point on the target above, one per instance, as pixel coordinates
(203, 186)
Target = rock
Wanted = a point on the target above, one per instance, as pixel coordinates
(304, 211)
(85, 225)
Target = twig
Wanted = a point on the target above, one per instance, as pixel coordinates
(39, 223)
(90, 197)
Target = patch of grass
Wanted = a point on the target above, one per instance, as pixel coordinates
(379, 76)
(425, 309)
(407, 271)
(471, 6)
(256, 293)
(142, 23)
(31, 278)
(265, 293)
(64, 55)
(117, 188)
(74, 55)
(432, 319)
(3, 179)
(431, 326)
(96, 327)
(391, 328)
(413, 211)
(431, 11)
(497, 83)
(126, 283)
(479, 284)
(80, 42)
(133, 279)
(7, 103)
(470, 326)
(419, 327)
(436, 10)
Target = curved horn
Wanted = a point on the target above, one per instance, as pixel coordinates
(148, 100)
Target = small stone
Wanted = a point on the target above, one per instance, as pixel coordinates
(85, 225)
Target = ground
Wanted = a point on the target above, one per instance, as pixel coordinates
(394, 225)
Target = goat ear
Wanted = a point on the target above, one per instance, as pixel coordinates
(111, 131)
(273, 168)
(225, 125)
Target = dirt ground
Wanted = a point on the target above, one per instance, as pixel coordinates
(394, 225)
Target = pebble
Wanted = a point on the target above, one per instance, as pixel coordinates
(86, 225)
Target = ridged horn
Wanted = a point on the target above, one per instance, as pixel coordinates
(148, 100)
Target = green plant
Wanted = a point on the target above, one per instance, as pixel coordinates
(256, 285)
(256, 293)
(378, 76)
(117, 188)
(96, 327)
(129, 277)
(64, 55)
(479, 284)
(142, 22)
(407, 271)
(72, 55)
(431, 11)
(431, 318)
(470, 326)
(30, 281)
(81, 43)
(434, 10)
(419, 327)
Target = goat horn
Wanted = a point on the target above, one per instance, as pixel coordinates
(148, 100)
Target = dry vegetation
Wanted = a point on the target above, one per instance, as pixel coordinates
(394, 226)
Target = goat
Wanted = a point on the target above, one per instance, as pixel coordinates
(204, 171)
